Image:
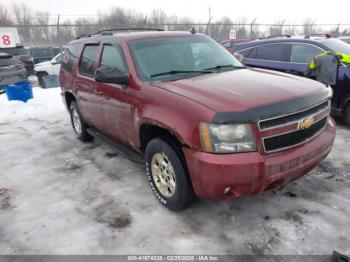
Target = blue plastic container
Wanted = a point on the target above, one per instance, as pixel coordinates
(21, 91)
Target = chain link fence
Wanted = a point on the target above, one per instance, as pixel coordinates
(59, 35)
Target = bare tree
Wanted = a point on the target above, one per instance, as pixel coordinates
(23, 18)
(308, 26)
(5, 18)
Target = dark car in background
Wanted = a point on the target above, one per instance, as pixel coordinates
(42, 54)
(23, 54)
(229, 43)
(11, 70)
(292, 55)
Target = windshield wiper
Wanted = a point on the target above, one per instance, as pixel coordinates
(224, 66)
(176, 72)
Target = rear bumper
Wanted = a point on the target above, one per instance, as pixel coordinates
(252, 173)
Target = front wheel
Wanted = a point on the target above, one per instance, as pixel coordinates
(78, 123)
(40, 77)
(167, 175)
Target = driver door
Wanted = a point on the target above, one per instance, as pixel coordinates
(116, 100)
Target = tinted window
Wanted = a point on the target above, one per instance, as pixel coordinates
(248, 53)
(112, 57)
(69, 55)
(273, 52)
(87, 60)
(302, 53)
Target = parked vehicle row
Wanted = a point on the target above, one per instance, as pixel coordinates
(204, 125)
(11, 70)
(292, 55)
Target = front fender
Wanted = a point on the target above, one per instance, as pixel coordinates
(175, 113)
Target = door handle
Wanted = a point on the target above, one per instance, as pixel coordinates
(99, 92)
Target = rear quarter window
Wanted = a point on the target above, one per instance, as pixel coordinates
(272, 52)
(70, 54)
(88, 60)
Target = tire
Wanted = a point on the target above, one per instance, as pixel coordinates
(2, 90)
(78, 123)
(40, 76)
(178, 193)
(347, 115)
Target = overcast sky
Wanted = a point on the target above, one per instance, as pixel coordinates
(266, 11)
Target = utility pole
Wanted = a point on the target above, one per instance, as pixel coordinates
(58, 31)
(209, 20)
(251, 28)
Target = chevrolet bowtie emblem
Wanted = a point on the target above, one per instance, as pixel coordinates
(306, 123)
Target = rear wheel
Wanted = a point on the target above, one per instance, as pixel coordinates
(347, 115)
(78, 123)
(167, 175)
(40, 76)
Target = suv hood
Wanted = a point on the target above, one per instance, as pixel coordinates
(244, 89)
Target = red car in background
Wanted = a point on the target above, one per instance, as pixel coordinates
(229, 43)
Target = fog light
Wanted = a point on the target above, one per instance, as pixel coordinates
(227, 190)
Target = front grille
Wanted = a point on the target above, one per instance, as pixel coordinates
(295, 138)
(278, 121)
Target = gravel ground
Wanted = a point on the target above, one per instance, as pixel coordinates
(60, 196)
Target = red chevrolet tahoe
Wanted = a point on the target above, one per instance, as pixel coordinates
(204, 125)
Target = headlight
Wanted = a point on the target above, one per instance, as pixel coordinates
(227, 138)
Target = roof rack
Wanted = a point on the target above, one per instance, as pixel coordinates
(277, 36)
(318, 35)
(105, 32)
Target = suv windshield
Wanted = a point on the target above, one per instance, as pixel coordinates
(337, 46)
(168, 58)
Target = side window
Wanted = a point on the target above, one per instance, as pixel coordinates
(248, 53)
(112, 57)
(86, 66)
(302, 53)
(70, 54)
(273, 52)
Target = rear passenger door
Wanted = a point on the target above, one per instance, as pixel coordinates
(299, 56)
(115, 99)
(85, 86)
(268, 56)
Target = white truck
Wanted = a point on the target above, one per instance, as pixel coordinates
(48, 68)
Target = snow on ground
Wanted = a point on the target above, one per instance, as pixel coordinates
(60, 196)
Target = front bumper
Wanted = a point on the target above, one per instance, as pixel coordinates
(253, 173)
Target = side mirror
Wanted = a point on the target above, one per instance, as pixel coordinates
(239, 57)
(53, 62)
(111, 75)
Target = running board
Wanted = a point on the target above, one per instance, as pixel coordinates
(117, 147)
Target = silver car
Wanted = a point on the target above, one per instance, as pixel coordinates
(11, 71)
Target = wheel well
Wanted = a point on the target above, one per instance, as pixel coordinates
(148, 132)
(69, 98)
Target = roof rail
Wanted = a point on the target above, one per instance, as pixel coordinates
(278, 36)
(320, 35)
(105, 32)
(129, 29)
